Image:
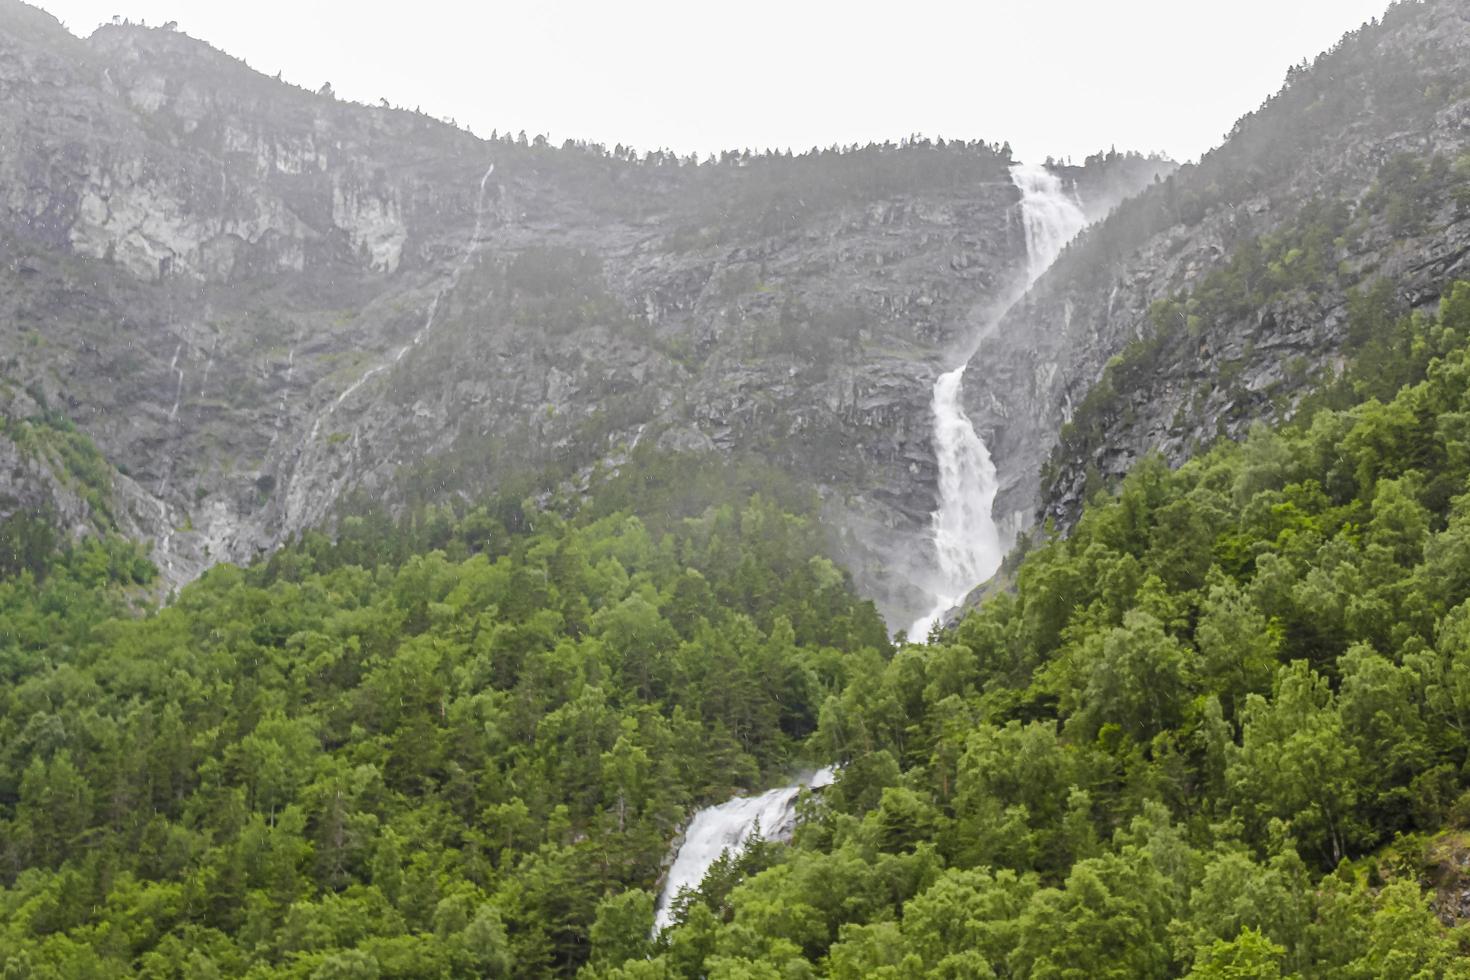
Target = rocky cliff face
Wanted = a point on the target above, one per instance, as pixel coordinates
(1221, 295)
(255, 300)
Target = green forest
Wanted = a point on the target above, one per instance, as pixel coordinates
(427, 749)
(1210, 720)
(1219, 730)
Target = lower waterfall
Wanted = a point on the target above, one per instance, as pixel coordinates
(727, 827)
(968, 546)
(967, 543)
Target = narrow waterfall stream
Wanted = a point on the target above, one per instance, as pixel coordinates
(727, 827)
(472, 249)
(173, 415)
(968, 545)
(298, 509)
(178, 374)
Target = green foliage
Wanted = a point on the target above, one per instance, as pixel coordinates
(1182, 745)
(437, 747)
(27, 543)
(1203, 737)
(52, 438)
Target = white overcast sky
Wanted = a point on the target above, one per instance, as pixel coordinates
(1066, 77)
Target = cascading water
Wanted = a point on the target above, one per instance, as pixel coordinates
(286, 387)
(301, 509)
(173, 414)
(728, 827)
(430, 315)
(178, 373)
(967, 543)
(1051, 216)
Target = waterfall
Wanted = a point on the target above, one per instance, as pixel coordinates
(968, 545)
(178, 373)
(173, 415)
(727, 827)
(303, 505)
(430, 315)
(286, 385)
(1051, 216)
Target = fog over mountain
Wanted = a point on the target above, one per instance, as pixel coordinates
(428, 551)
(1147, 75)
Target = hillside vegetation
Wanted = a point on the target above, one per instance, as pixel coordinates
(516, 601)
(1184, 743)
(425, 749)
(1221, 730)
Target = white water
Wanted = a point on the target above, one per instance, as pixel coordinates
(1052, 216)
(968, 545)
(286, 385)
(178, 373)
(173, 414)
(728, 827)
(430, 315)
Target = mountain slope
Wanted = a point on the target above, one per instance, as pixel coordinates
(257, 300)
(1354, 174)
(1221, 728)
(1216, 732)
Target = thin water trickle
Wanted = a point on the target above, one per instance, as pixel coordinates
(178, 373)
(173, 414)
(430, 315)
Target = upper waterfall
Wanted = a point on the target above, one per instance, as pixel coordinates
(968, 545)
(1051, 216)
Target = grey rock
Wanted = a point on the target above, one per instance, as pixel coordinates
(226, 282)
(1027, 379)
